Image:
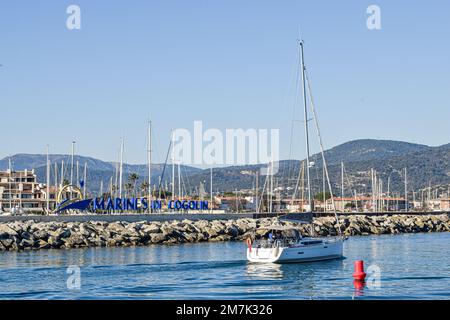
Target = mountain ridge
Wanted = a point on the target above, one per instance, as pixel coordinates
(388, 157)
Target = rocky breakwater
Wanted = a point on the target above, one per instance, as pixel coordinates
(30, 235)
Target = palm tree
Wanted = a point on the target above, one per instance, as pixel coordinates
(144, 187)
(114, 189)
(133, 178)
(128, 188)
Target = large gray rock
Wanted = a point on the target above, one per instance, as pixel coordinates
(4, 228)
(158, 237)
(60, 234)
(151, 228)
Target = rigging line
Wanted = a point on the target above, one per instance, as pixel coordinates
(296, 96)
(155, 149)
(350, 185)
(188, 180)
(262, 194)
(183, 183)
(300, 172)
(319, 136)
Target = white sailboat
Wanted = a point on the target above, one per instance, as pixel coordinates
(293, 248)
(285, 243)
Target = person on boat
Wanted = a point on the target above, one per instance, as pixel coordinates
(270, 239)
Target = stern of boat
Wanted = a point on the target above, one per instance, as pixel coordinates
(264, 255)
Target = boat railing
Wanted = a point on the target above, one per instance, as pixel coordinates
(274, 243)
(286, 242)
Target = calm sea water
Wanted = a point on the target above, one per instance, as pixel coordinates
(410, 267)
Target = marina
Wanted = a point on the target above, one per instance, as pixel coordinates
(172, 152)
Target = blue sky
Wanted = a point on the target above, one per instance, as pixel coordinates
(229, 63)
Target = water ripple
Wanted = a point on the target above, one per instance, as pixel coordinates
(411, 267)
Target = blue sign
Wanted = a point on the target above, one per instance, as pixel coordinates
(132, 204)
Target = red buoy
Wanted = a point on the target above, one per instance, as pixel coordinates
(359, 286)
(359, 273)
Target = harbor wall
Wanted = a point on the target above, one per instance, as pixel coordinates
(133, 217)
(35, 235)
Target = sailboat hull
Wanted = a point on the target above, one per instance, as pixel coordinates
(297, 253)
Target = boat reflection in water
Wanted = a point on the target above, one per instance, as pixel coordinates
(266, 270)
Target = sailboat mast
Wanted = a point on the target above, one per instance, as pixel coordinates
(62, 174)
(48, 182)
(342, 184)
(373, 190)
(271, 188)
(256, 191)
(149, 153)
(305, 112)
(10, 184)
(121, 168)
(179, 179)
(72, 163)
(406, 190)
(56, 179)
(84, 178)
(211, 189)
(324, 189)
(388, 192)
(78, 173)
(173, 168)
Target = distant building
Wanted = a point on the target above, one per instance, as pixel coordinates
(20, 191)
(445, 204)
(365, 204)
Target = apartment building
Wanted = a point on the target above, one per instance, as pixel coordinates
(21, 192)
